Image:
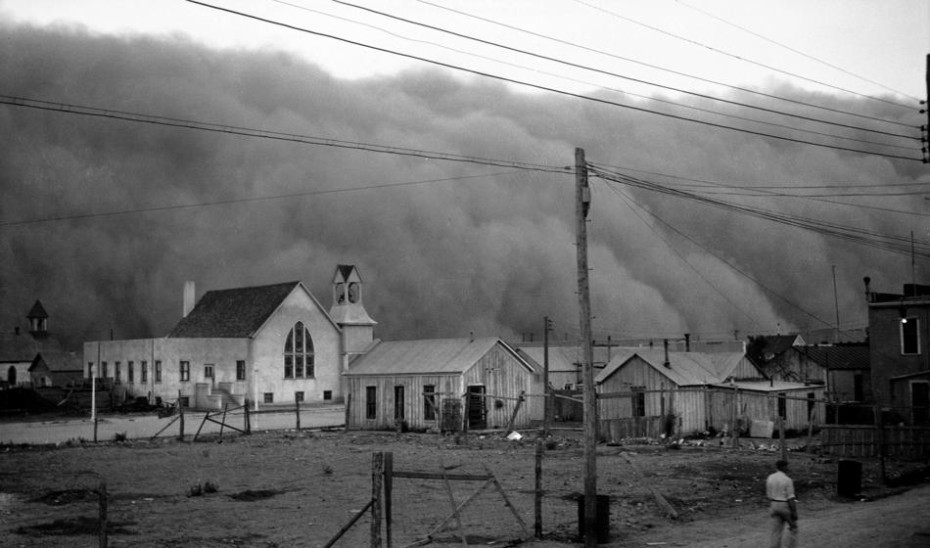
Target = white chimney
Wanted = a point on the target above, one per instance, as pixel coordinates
(189, 298)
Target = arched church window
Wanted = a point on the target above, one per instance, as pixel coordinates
(298, 353)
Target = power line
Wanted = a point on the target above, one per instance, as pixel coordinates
(641, 96)
(718, 257)
(553, 90)
(214, 203)
(870, 238)
(704, 183)
(793, 50)
(269, 134)
(740, 58)
(671, 71)
(636, 80)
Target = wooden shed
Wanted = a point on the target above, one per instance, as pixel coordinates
(645, 392)
(442, 384)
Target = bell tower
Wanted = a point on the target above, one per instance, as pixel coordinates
(348, 311)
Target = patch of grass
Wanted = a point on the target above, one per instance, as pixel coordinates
(81, 525)
(250, 495)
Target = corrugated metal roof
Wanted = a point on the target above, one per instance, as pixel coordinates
(685, 368)
(839, 357)
(564, 358)
(423, 356)
(232, 313)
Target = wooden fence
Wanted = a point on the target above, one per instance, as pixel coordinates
(615, 430)
(903, 442)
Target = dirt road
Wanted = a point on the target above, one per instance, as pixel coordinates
(900, 521)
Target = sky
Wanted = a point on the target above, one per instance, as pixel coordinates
(104, 219)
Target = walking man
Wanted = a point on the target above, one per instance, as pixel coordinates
(780, 490)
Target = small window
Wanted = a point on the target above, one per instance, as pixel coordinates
(90, 370)
(185, 401)
(327, 395)
(143, 372)
(185, 371)
(399, 402)
(103, 369)
(910, 336)
(639, 401)
(782, 405)
(116, 371)
(371, 402)
(298, 396)
(157, 373)
(208, 371)
(240, 370)
(269, 397)
(130, 372)
(429, 402)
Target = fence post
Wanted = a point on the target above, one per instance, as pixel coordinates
(248, 420)
(537, 502)
(297, 410)
(102, 500)
(377, 473)
(880, 423)
(181, 415)
(348, 410)
(781, 437)
(734, 416)
(388, 493)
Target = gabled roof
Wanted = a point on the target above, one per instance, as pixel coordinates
(778, 344)
(773, 386)
(19, 347)
(38, 311)
(562, 358)
(233, 313)
(836, 358)
(58, 361)
(685, 368)
(441, 356)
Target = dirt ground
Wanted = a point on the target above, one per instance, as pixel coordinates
(276, 489)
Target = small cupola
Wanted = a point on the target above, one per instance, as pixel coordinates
(38, 320)
(348, 303)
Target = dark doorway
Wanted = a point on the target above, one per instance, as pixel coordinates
(477, 411)
(11, 376)
(398, 403)
(920, 400)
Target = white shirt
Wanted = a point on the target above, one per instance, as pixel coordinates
(779, 487)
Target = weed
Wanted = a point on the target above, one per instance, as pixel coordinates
(120, 436)
(327, 469)
(210, 487)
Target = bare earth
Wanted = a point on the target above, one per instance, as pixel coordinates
(291, 488)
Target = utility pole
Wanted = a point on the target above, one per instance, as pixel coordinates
(836, 307)
(547, 402)
(582, 206)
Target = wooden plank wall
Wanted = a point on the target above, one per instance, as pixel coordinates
(616, 430)
(503, 376)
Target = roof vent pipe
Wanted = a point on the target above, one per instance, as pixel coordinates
(666, 362)
(687, 342)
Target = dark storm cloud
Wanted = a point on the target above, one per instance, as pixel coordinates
(491, 255)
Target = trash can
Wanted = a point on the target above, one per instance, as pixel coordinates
(602, 527)
(848, 478)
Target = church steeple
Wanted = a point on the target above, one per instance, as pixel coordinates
(38, 320)
(349, 313)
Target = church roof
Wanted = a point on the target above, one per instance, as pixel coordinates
(232, 313)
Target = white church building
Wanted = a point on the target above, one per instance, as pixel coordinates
(266, 344)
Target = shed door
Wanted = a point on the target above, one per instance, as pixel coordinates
(398, 402)
(477, 412)
(920, 400)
